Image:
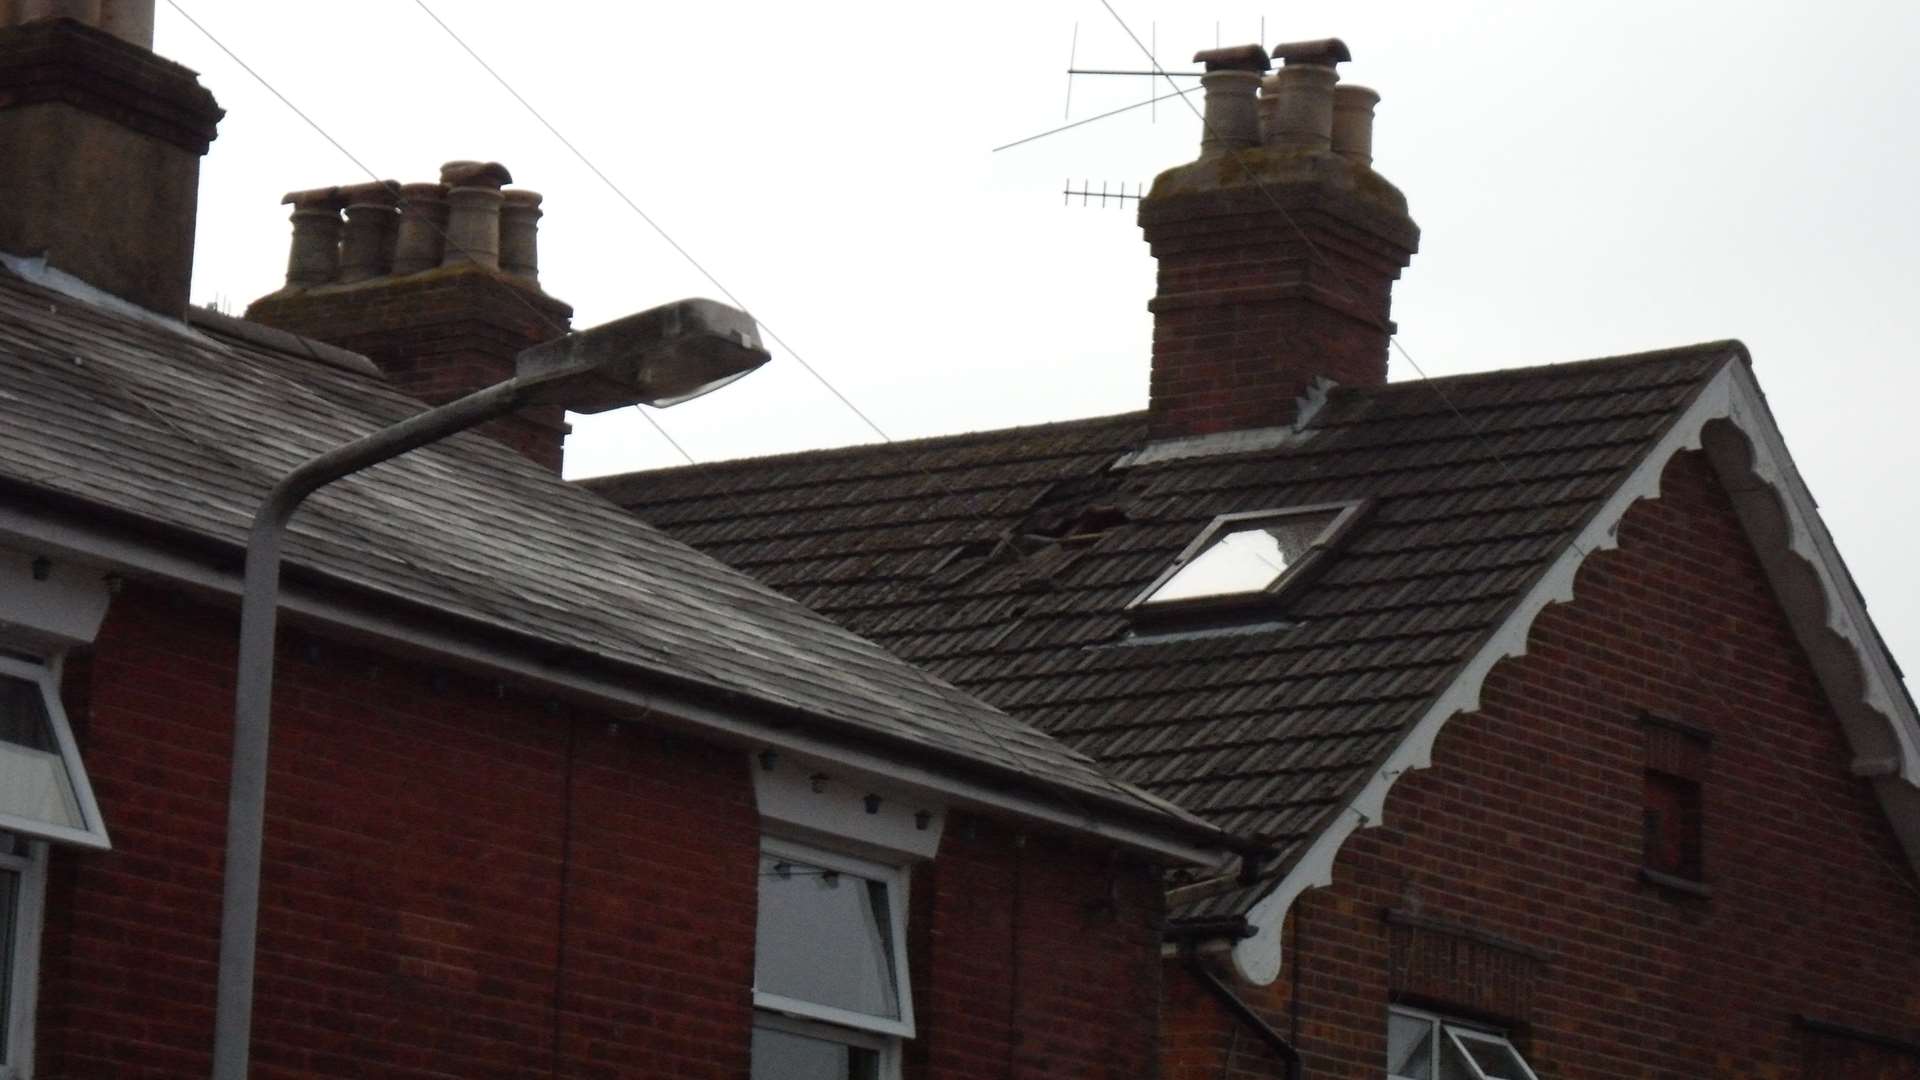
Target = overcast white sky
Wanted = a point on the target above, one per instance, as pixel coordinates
(1590, 179)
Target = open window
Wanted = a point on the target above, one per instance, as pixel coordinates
(1241, 562)
(829, 973)
(44, 791)
(1426, 1046)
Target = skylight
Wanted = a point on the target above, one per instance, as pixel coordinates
(1244, 559)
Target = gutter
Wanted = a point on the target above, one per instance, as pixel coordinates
(1296, 1069)
(714, 711)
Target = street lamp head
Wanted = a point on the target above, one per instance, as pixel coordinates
(660, 357)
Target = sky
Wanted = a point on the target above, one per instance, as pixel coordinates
(1590, 179)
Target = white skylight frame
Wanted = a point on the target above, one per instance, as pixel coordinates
(895, 879)
(93, 831)
(1346, 515)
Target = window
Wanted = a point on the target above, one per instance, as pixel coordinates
(1672, 823)
(23, 877)
(43, 788)
(1424, 1046)
(829, 970)
(1243, 560)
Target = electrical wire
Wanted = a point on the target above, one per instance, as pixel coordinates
(552, 323)
(651, 223)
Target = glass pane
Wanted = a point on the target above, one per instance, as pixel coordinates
(825, 937)
(1497, 1060)
(783, 1055)
(1409, 1047)
(1245, 560)
(33, 781)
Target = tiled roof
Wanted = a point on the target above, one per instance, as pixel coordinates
(187, 427)
(1004, 560)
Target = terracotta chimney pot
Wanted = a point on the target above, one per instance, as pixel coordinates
(422, 240)
(366, 251)
(520, 234)
(315, 256)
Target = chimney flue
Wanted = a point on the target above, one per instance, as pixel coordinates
(473, 216)
(1297, 106)
(1353, 123)
(366, 251)
(422, 242)
(129, 20)
(1232, 80)
(314, 258)
(520, 234)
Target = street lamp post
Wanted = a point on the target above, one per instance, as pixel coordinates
(660, 357)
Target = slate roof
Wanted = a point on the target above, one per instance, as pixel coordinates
(188, 427)
(1003, 561)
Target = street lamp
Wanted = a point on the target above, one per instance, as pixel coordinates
(662, 356)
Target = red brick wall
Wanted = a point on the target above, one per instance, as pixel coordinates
(1527, 832)
(446, 895)
(1033, 960)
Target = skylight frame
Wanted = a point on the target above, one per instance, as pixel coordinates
(1144, 609)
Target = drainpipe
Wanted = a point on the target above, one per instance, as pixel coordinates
(1245, 1014)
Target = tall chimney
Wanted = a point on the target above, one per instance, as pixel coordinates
(437, 283)
(1276, 261)
(103, 140)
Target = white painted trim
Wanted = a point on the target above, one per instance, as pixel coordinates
(29, 915)
(1828, 617)
(836, 814)
(887, 1047)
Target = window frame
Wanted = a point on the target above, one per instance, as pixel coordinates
(1452, 1029)
(1143, 608)
(23, 971)
(94, 835)
(896, 880)
(886, 1047)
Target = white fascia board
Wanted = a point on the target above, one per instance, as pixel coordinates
(619, 696)
(1730, 419)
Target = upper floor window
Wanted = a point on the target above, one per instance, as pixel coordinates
(1426, 1046)
(23, 874)
(43, 787)
(1242, 561)
(829, 977)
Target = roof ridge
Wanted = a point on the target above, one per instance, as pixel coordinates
(1700, 350)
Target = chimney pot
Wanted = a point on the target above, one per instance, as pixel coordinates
(1232, 82)
(315, 256)
(129, 20)
(1296, 108)
(1353, 123)
(366, 250)
(422, 240)
(520, 234)
(473, 216)
(86, 12)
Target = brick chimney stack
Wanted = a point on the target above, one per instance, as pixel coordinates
(1278, 246)
(437, 283)
(100, 171)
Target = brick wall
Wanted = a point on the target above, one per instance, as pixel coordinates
(1513, 865)
(467, 881)
(1034, 959)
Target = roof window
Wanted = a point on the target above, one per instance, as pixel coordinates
(1242, 561)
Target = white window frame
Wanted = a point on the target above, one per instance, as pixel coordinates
(23, 974)
(895, 879)
(886, 1047)
(1453, 1031)
(94, 835)
(1345, 516)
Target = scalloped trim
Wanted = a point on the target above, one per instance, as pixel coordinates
(1731, 422)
